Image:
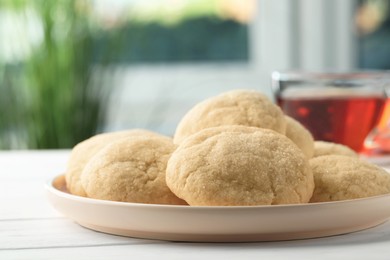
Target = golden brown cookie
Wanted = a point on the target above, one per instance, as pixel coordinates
(329, 148)
(340, 177)
(131, 170)
(239, 165)
(86, 149)
(237, 107)
(300, 136)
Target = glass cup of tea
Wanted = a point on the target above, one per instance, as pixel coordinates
(337, 107)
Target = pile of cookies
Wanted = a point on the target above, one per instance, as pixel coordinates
(235, 149)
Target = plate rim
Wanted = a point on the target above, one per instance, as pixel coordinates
(49, 186)
(218, 223)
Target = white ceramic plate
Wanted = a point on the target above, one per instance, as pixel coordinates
(220, 224)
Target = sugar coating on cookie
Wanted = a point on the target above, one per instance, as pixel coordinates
(237, 107)
(239, 166)
(300, 136)
(328, 148)
(340, 177)
(131, 170)
(85, 150)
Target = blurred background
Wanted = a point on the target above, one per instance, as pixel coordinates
(72, 68)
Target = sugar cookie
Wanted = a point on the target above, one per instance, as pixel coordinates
(300, 136)
(329, 148)
(131, 170)
(340, 177)
(86, 149)
(239, 165)
(237, 107)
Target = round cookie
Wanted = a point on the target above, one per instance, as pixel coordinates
(238, 165)
(328, 148)
(237, 107)
(340, 177)
(300, 136)
(131, 170)
(86, 149)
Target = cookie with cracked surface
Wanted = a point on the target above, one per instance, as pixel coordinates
(328, 148)
(237, 107)
(85, 150)
(300, 136)
(238, 165)
(340, 177)
(131, 170)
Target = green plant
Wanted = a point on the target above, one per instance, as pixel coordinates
(59, 99)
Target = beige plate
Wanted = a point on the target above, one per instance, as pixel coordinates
(220, 224)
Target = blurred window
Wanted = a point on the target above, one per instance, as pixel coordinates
(372, 19)
(179, 30)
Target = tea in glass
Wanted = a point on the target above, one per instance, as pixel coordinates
(336, 107)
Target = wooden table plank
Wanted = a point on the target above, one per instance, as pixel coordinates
(27, 165)
(24, 199)
(58, 232)
(370, 244)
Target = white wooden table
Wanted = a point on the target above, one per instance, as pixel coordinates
(31, 229)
